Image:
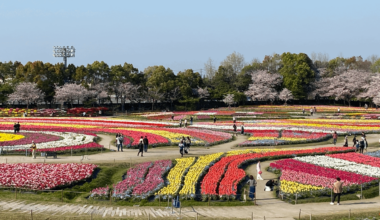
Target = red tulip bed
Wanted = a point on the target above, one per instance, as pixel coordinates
(43, 176)
(234, 175)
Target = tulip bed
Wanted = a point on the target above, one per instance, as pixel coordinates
(298, 108)
(195, 172)
(234, 175)
(43, 176)
(309, 180)
(7, 137)
(27, 138)
(175, 176)
(100, 193)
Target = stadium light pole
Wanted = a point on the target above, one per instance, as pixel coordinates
(64, 52)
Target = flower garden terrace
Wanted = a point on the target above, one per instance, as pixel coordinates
(157, 133)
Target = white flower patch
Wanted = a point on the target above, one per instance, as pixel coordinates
(205, 113)
(340, 164)
(69, 139)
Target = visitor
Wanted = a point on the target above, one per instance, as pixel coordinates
(172, 117)
(338, 110)
(335, 137)
(100, 112)
(269, 185)
(180, 123)
(354, 141)
(188, 143)
(234, 119)
(191, 120)
(338, 187)
(121, 139)
(303, 111)
(181, 146)
(15, 127)
(234, 127)
(366, 106)
(365, 144)
(18, 127)
(214, 119)
(259, 172)
(146, 143)
(363, 134)
(315, 109)
(252, 187)
(357, 146)
(118, 142)
(141, 146)
(34, 149)
(311, 112)
(242, 128)
(345, 141)
(84, 114)
(362, 144)
(185, 123)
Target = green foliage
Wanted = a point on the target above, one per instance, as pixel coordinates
(375, 67)
(161, 78)
(297, 73)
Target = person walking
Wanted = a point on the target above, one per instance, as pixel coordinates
(259, 172)
(234, 119)
(191, 120)
(357, 146)
(185, 123)
(34, 149)
(188, 143)
(345, 141)
(366, 106)
(338, 188)
(315, 109)
(181, 146)
(18, 127)
(338, 110)
(172, 117)
(234, 127)
(214, 119)
(121, 140)
(311, 112)
(354, 141)
(365, 144)
(118, 142)
(146, 143)
(242, 128)
(335, 137)
(303, 111)
(141, 146)
(180, 123)
(15, 127)
(362, 144)
(252, 187)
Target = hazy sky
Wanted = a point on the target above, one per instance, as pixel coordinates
(184, 34)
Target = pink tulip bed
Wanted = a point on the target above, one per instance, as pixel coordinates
(29, 137)
(134, 177)
(100, 193)
(43, 176)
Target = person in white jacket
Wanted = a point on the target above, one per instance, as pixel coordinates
(258, 168)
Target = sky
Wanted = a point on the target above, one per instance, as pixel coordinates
(185, 34)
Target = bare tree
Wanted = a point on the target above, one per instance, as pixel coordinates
(236, 60)
(174, 95)
(210, 68)
(154, 94)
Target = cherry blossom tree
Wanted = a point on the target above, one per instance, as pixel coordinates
(129, 92)
(372, 88)
(203, 93)
(71, 92)
(98, 92)
(264, 86)
(347, 85)
(376, 99)
(285, 95)
(229, 99)
(26, 92)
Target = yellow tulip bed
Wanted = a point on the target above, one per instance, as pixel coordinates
(10, 137)
(294, 187)
(175, 176)
(195, 172)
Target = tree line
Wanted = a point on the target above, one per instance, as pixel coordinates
(278, 76)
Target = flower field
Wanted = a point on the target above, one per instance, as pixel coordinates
(43, 176)
(18, 112)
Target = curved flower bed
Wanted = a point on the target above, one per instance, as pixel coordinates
(135, 176)
(195, 172)
(8, 137)
(154, 179)
(29, 137)
(43, 176)
(234, 175)
(175, 176)
(358, 158)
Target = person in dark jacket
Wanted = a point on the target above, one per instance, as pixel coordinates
(146, 143)
(141, 146)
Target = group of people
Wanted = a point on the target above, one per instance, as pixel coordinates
(184, 146)
(16, 127)
(185, 124)
(360, 144)
(143, 145)
(252, 182)
(119, 142)
(241, 128)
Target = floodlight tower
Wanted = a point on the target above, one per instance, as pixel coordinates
(64, 52)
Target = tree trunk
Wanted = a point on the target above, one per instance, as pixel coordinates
(152, 104)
